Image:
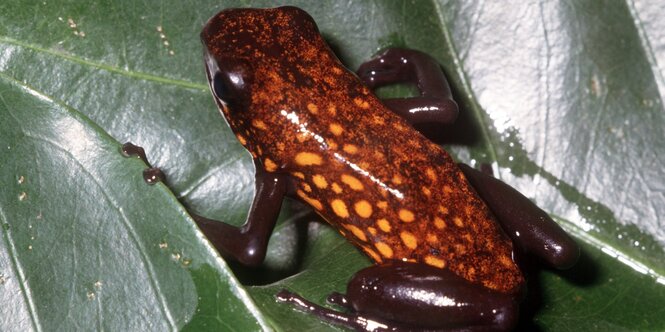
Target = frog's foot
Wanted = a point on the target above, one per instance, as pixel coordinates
(151, 175)
(530, 228)
(246, 244)
(401, 296)
(349, 320)
(398, 65)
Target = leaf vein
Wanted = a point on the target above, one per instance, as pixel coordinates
(27, 294)
(109, 68)
(465, 84)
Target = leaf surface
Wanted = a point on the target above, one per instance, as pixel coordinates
(563, 99)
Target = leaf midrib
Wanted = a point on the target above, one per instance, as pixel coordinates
(464, 79)
(128, 73)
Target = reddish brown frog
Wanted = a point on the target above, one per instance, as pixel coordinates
(436, 231)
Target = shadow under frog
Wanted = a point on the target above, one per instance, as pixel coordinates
(441, 234)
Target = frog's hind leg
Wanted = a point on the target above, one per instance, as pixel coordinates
(246, 244)
(401, 296)
(398, 65)
(530, 228)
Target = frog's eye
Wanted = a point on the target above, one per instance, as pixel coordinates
(219, 87)
(229, 80)
(229, 83)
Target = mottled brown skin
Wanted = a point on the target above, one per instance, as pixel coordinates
(385, 187)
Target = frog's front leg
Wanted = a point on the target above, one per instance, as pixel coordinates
(246, 244)
(530, 228)
(400, 296)
(399, 65)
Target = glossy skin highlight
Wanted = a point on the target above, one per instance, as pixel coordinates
(318, 133)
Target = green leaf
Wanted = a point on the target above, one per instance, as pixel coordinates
(81, 228)
(563, 99)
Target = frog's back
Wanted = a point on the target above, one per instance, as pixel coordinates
(385, 187)
(392, 192)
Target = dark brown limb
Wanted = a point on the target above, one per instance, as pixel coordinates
(248, 244)
(530, 228)
(398, 65)
(401, 296)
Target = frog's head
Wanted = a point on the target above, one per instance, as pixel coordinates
(247, 54)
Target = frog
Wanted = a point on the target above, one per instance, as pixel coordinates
(441, 235)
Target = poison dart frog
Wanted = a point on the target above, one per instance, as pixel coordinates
(440, 234)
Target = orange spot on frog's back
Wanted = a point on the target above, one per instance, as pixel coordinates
(350, 148)
(312, 108)
(332, 110)
(352, 182)
(319, 181)
(361, 103)
(308, 159)
(430, 174)
(384, 225)
(311, 201)
(336, 188)
(406, 215)
(371, 253)
(339, 208)
(357, 232)
(363, 208)
(439, 223)
(269, 165)
(336, 129)
(409, 240)
(384, 249)
(436, 262)
(259, 124)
